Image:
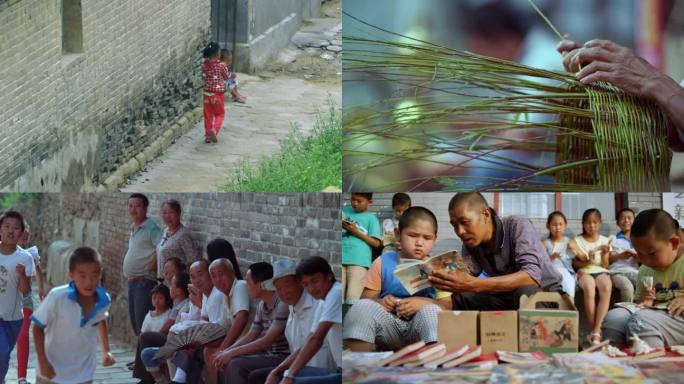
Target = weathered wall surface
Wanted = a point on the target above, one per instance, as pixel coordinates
(67, 119)
(263, 27)
(260, 226)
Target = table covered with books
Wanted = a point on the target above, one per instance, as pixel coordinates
(658, 366)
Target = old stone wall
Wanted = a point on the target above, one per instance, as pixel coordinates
(76, 107)
(260, 226)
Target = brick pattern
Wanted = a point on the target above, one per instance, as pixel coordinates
(260, 226)
(70, 119)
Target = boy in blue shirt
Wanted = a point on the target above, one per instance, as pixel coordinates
(361, 234)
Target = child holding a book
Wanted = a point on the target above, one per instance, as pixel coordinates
(387, 316)
(69, 321)
(658, 317)
(400, 203)
(623, 265)
(592, 251)
(360, 236)
(557, 248)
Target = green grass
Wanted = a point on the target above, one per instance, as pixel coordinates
(303, 164)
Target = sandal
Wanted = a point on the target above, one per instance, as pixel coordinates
(594, 338)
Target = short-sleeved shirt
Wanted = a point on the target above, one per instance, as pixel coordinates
(11, 301)
(668, 283)
(27, 299)
(517, 247)
(70, 338)
(180, 245)
(237, 300)
(178, 308)
(214, 307)
(142, 245)
(331, 311)
(298, 328)
(388, 237)
(586, 246)
(214, 73)
(265, 318)
(622, 244)
(354, 250)
(373, 280)
(153, 323)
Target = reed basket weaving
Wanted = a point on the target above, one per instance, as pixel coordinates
(485, 111)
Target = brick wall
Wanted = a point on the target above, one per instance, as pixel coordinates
(69, 119)
(260, 226)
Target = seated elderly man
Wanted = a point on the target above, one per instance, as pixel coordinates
(227, 304)
(507, 250)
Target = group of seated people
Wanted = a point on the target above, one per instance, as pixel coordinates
(507, 258)
(292, 335)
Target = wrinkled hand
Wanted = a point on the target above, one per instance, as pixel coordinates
(453, 281)
(676, 307)
(409, 306)
(108, 359)
(195, 296)
(286, 380)
(604, 60)
(221, 360)
(388, 302)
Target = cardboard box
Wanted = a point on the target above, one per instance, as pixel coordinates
(499, 331)
(457, 328)
(548, 330)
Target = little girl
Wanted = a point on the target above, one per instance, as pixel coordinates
(161, 301)
(232, 83)
(386, 315)
(214, 73)
(557, 248)
(592, 252)
(623, 264)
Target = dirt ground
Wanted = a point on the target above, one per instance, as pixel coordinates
(301, 81)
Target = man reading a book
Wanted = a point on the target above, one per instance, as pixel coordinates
(506, 256)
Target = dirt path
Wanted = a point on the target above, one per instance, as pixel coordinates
(288, 92)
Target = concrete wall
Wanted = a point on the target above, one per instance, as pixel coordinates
(264, 27)
(68, 119)
(261, 227)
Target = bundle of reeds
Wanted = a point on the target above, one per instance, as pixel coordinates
(487, 110)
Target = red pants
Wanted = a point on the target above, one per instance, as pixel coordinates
(213, 113)
(23, 344)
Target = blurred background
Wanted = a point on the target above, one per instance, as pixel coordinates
(507, 29)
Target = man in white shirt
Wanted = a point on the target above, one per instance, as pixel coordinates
(319, 281)
(302, 312)
(236, 309)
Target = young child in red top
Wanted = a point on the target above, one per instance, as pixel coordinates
(214, 73)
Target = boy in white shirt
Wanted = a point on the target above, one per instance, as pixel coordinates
(318, 279)
(69, 321)
(16, 267)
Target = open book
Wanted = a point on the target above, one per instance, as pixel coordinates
(414, 274)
